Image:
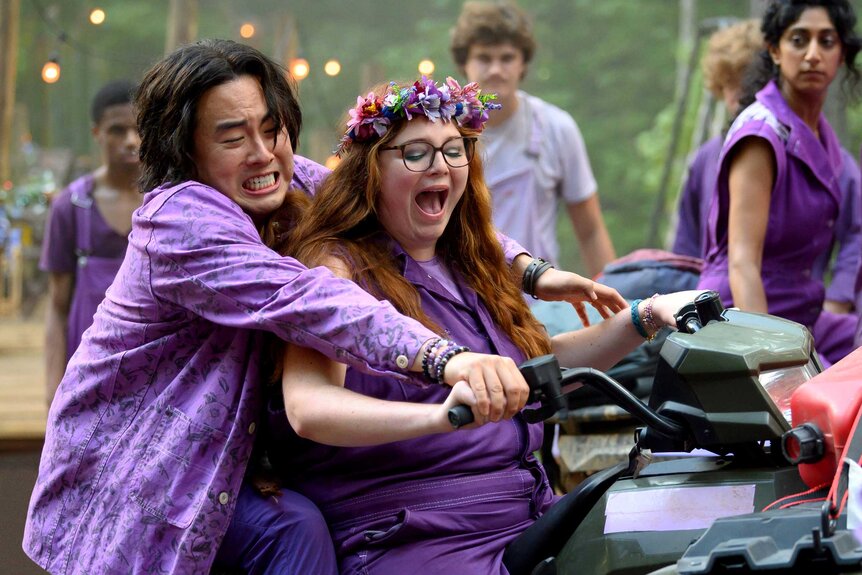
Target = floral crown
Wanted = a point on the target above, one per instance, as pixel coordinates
(372, 116)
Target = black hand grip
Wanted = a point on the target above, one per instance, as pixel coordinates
(687, 319)
(460, 415)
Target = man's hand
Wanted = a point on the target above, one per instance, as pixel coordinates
(499, 387)
(557, 285)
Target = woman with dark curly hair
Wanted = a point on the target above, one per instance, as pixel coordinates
(778, 196)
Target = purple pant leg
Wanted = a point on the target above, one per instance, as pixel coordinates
(276, 536)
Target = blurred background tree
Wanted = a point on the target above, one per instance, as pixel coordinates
(614, 65)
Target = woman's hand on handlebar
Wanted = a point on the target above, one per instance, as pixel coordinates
(461, 395)
(665, 307)
(558, 285)
(499, 389)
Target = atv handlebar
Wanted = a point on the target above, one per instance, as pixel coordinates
(550, 384)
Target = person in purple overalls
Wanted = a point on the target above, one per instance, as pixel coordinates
(778, 195)
(151, 430)
(407, 215)
(88, 227)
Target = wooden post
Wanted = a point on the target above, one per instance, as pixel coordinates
(10, 11)
(182, 24)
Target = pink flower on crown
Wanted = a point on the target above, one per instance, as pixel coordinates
(472, 107)
(367, 119)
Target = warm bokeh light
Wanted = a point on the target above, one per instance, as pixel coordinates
(426, 67)
(332, 68)
(50, 72)
(97, 16)
(246, 30)
(299, 68)
(332, 161)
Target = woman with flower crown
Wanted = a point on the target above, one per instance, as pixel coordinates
(406, 215)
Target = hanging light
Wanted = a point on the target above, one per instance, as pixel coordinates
(51, 70)
(97, 16)
(299, 68)
(426, 67)
(247, 30)
(332, 67)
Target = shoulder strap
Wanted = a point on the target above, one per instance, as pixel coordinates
(82, 198)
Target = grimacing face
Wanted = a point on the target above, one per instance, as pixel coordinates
(415, 207)
(236, 150)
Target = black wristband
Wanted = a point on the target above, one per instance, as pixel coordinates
(531, 275)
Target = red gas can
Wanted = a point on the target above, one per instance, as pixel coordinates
(831, 401)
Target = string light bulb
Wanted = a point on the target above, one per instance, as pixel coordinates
(247, 30)
(97, 16)
(51, 71)
(299, 68)
(332, 67)
(426, 67)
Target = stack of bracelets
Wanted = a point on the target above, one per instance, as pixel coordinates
(531, 275)
(646, 327)
(437, 355)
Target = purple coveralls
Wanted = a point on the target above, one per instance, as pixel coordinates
(803, 214)
(80, 242)
(445, 503)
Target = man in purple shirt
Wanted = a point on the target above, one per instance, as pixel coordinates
(153, 424)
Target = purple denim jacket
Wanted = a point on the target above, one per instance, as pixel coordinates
(151, 429)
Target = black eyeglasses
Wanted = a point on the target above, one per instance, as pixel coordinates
(419, 156)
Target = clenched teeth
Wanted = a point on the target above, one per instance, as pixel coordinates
(259, 182)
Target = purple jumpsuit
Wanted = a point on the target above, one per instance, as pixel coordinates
(803, 214)
(80, 242)
(445, 503)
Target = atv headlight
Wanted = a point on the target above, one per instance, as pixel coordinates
(781, 383)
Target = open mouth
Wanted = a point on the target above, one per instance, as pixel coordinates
(259, 183)
(431, 202)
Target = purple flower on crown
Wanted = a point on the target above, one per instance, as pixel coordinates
(425, 98)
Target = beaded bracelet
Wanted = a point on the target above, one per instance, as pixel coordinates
(430, 354)
(636, 319)
(531, 275)
(444, 358)
(437, 355)
(649, 320)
